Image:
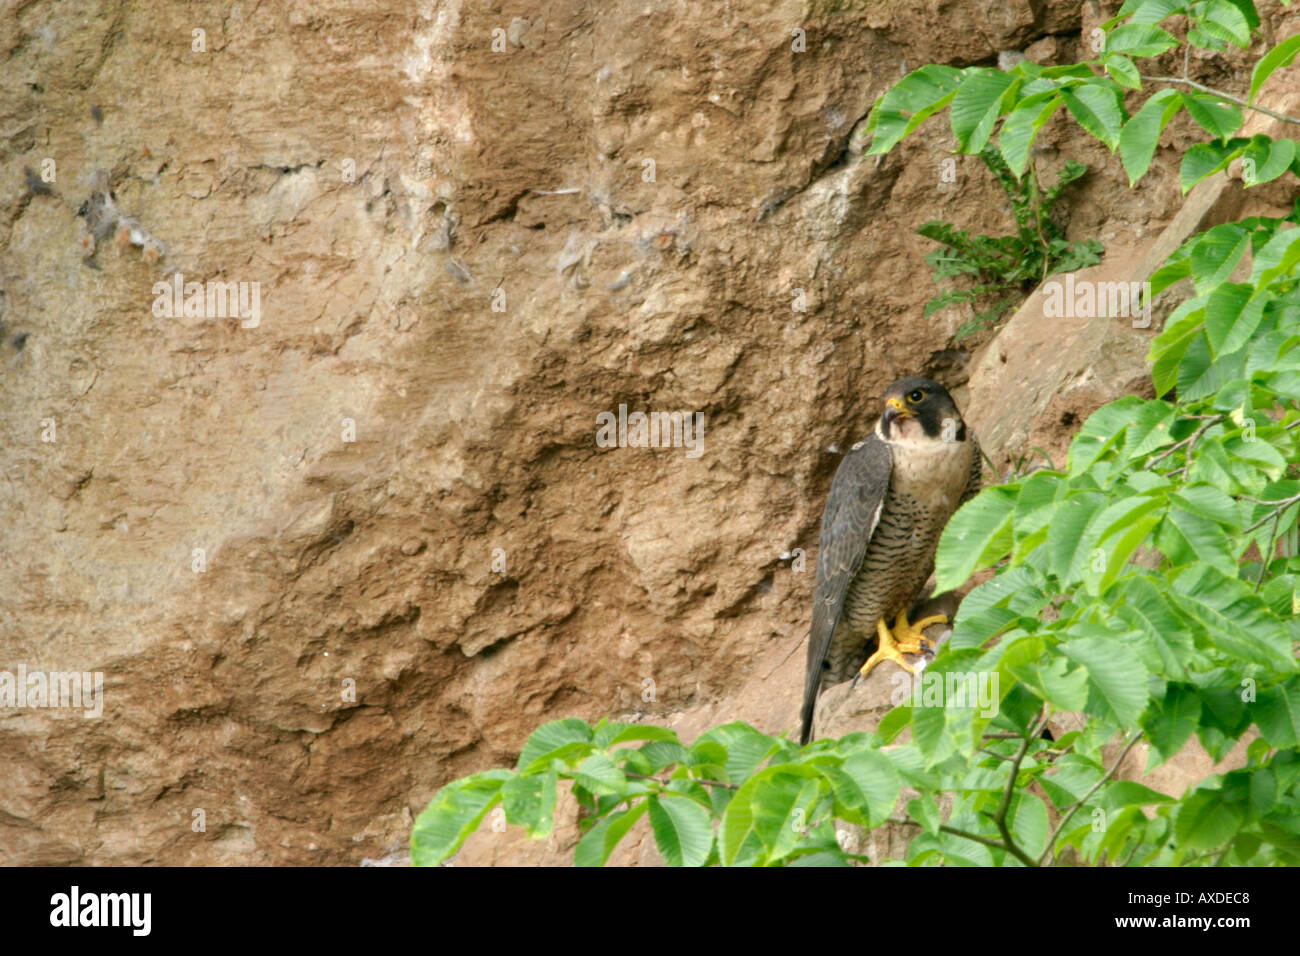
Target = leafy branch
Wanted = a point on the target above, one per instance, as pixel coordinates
(1219, 94)
(1074, 807)
(1122, 589)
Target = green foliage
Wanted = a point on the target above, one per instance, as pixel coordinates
(1023, 98)
(1008, 263)
(735, 796)
(1151, 585)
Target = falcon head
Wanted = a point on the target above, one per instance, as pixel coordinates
(917, 407)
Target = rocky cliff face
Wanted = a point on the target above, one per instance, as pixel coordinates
(335, 550)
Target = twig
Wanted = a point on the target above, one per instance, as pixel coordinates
(1282, 505)
(997, 844)
(1227, 97)
(978, 838)
(1074, 807)
(1209, 421)
(985, 750)
(1137, 844)
(1266, 558)
(707, 783)
(1000, 818)
(1006, 843)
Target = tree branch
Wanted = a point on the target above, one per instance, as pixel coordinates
(1227, 97)
(997, 844)
(1209, 422)
(1000, 818)
(1266, 558)
(1074, 807)
(1282, 505)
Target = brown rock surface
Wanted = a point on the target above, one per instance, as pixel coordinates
(388, 175)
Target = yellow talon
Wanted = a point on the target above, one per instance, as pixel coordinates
(905, 639)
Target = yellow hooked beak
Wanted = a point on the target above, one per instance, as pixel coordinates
(897, 405)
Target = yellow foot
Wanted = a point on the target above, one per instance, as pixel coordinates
(905, 639)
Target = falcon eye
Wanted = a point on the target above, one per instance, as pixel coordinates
(915, 395)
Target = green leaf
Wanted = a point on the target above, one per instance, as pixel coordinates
(978, 103)
(1264, 162)
(1277, 714)
(529, 801)
(1027, 819)
(1209, 502)
(1232, 315)
(1202, 160)
(893, 723)
(1280, 56)
(1097, 108)
(923, 811)
(1255, 456)
(661, 754)
(1170, 722)
(1139, 40)
(1129, 525)
(1021, 126)
(1149, 429)
(1210, 464)
(1131, 794)
(598, 843)
(1067, 545)
(548, 738)
(977, 536)
(1120, 830)
(1051, 678)
(1277, 258)
(908, 103)
(1206, 820)
(1138, 138)
(1216, 253)
(1225, 22)
(825, 858)
(1146, 609)
(1200, 374)
(874, 777)
(599, 775)
(1150, 11)
(782, 804)
(932, 735)
(1236, 620)
(453, 814)
(1168, 348)
(745, 748)
(1123, 70)
(1201, 539)
(1103, 429)
(643, 732)
(682, 830)
(1116, 676)
(740, 842)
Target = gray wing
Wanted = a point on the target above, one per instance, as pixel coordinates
(848, 522)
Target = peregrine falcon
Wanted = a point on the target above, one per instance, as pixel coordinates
(888, 503)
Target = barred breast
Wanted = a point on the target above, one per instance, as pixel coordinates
(926, 486)
(895, 568)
